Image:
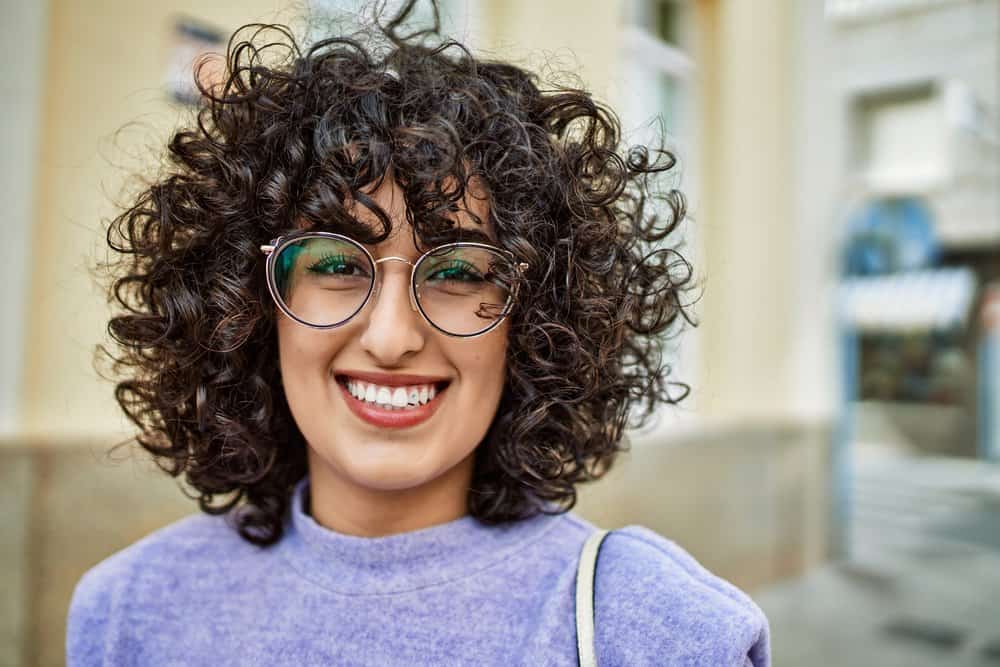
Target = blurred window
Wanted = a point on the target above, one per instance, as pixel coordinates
(657, 66)
(192, 39)
(656, 100)
(459, 18)
(903, 140)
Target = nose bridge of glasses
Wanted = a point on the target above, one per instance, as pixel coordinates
(409, 290)
(393, 258)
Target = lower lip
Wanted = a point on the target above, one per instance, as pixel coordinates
(383, 418)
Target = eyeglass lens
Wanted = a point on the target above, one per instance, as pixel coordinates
(325, 281)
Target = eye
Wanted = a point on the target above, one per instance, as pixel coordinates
(340, 265)
(456, 270)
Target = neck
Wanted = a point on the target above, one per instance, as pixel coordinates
(337, 503)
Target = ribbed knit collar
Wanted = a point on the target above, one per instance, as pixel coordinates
(354, 565)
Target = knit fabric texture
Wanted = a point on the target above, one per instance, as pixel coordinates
(458, 593)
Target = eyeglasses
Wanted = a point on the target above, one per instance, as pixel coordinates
(322, 280)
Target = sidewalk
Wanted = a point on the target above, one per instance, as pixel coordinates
(922, 585)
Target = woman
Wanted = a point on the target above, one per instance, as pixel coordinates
(392, 303)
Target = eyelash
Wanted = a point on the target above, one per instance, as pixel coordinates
(322, 262)
(457, 264)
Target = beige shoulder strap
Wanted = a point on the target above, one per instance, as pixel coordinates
(585, 599)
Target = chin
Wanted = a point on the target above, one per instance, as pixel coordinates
(390, 478)
(391, 470)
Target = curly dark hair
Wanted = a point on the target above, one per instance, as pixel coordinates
(286, 140)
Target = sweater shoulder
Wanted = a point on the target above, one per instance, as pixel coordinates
(635, 549)
(105, 593)
(654, 599)
(194, 536)
(188, 537)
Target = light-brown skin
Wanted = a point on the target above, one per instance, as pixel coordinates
(369, 481)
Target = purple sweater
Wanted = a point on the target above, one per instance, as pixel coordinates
(459, 593)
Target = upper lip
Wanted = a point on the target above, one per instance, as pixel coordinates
(393, 379)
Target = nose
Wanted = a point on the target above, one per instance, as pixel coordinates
(393, 328)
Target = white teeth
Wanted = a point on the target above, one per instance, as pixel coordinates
(384, 396)
(391, 398)
(399, 398)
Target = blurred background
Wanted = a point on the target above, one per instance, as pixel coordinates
(839, 455)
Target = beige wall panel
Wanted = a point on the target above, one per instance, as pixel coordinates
(747, 180)
(556, 36)
(106, 64)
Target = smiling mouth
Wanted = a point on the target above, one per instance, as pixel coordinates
(392, 406)
(392, 398)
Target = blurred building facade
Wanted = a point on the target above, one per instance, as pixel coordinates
(915, 83)
(899, 176)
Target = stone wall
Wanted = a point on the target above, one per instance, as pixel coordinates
(751, 502)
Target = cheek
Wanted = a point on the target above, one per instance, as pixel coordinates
(291, 347)
(485, 366)
(305, 354)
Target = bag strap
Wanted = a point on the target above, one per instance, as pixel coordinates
(585, 570)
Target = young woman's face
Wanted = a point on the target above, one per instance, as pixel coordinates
(361, 444)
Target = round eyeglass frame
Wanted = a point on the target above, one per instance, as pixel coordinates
(274, 248)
